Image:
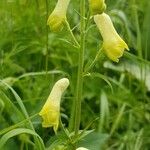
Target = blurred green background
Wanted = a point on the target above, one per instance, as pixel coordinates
(32, 59)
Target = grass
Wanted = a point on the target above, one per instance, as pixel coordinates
(114, 97)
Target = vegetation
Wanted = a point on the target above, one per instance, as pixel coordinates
(107, 104)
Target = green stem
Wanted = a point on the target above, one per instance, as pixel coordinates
(71, 33)
(79, 86)
(138, 41)
(46, 60)
(94, 61)
(118, 118)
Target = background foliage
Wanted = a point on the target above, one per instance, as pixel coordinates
(32, 58)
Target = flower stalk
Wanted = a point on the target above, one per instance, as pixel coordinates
(79, 86)
(72, 35)
(99, 53)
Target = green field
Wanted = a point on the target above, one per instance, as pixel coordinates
(101, 100)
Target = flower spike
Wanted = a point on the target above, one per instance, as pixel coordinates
(51, 109)
(113, 44)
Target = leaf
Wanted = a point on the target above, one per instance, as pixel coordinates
(56, 140)
(101, 76)
(2, 105)
(22, 107)
(104, 111)
(18, 131)
(140, 71)
(118, 119)
(93, 141)
(10, 108)
(9, 80)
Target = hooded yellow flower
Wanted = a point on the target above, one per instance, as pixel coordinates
(112, 43)
(51, 109)
(97, 6)
(81, 148)
(57, 17)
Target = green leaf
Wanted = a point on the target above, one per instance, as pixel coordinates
(56, 140)
(2, 105)
(139, 70)
(104, 111)
(10, 108)
(22, 107)
(18, 131)
(93, 141)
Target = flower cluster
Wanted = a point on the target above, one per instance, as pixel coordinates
(113, 46)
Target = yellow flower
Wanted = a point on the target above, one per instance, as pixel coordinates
(97, 6)
(57, 18)
(51, 109)
(81, 148)
(113, 44)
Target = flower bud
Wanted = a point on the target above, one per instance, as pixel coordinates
(51, 109)
(57, 18)
(97, 6)
(113, 44)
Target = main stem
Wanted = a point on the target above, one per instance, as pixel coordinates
(79, 86)
(46, 63)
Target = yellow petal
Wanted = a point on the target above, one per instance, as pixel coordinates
(50, 112)
(113, 44)
(56, 23)
(57, 17)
